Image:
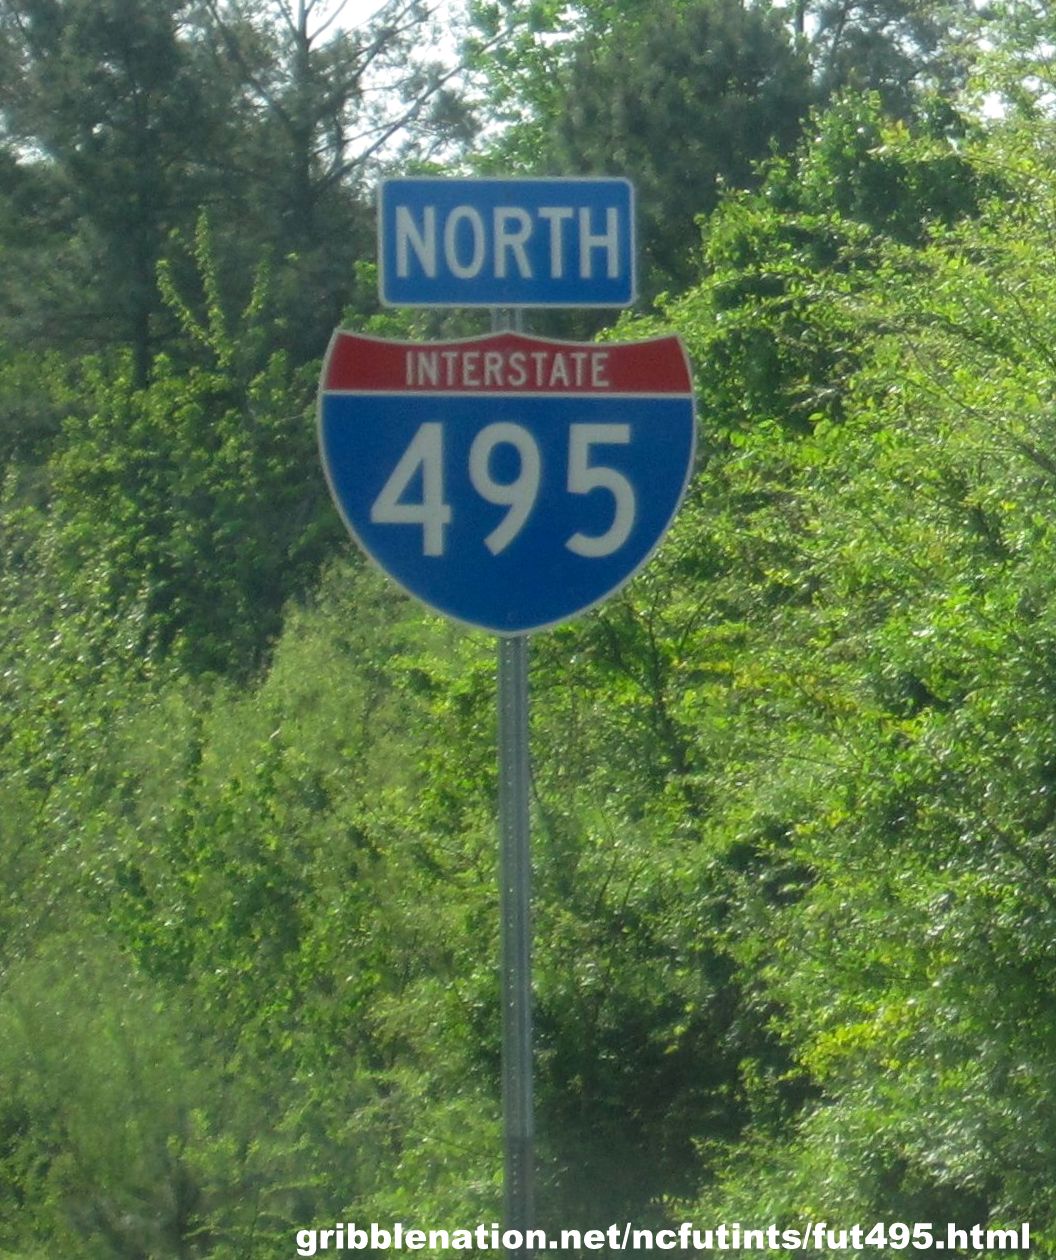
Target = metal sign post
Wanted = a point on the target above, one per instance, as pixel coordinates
(515, 881)
(515, 873)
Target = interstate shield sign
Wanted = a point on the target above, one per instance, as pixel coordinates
(507, 481)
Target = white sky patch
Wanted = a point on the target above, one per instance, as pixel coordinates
(358, 13)
(385, 83)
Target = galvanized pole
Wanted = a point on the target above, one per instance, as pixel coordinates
(515, 875)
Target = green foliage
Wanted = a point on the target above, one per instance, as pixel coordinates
(687, 97)
(683, 103)
(892, 702)
(122, 121)
(97, 1108)
(776, 318)
(40, 259)
(35, 392)
(167, 529)
(183, 503)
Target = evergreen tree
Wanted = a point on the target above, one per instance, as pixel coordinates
(114, 95)
(897, 48)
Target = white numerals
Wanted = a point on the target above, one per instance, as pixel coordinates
(425, 454)
(520, 494)
(583, 477)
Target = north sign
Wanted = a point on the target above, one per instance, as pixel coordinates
(506, 242)
(507, 481)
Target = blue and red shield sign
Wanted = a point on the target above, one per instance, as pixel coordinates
(507, 481)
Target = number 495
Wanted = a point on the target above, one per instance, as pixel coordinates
(433, 513)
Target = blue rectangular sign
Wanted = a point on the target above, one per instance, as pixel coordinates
(506, 242)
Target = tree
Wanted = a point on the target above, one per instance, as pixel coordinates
(687, 96)
(114, 95)
(684, 99)
(324, 104)
(879, 758)
(134, 115)
(1015, 55)
(774, 315)
(195, 501)
(896, 48)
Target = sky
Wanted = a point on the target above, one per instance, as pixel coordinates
(359, 12)
(356, 12)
